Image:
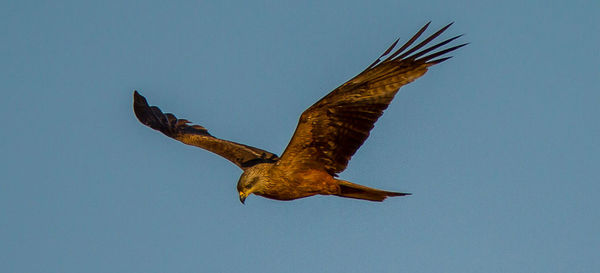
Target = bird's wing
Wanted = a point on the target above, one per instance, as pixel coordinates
(241, 155)
(331, 130)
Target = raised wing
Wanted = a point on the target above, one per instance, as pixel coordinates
(331, 130)
(241, 155)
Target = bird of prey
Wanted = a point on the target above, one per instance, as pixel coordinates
(327, 135)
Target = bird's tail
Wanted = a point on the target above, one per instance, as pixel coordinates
(351, 190)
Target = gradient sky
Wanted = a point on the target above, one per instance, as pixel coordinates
(500, 145)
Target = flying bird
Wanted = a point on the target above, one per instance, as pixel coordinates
(327, 135)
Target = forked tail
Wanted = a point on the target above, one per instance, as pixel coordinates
(351, 190)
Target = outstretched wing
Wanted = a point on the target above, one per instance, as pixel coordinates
(241, 155)
(331, 130)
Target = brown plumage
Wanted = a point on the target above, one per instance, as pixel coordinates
(328, 133)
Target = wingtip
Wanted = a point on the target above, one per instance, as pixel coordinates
(459, 46)
(425, 27)
(445, 27)
(137, 96)
(139, 99)
(437, 61)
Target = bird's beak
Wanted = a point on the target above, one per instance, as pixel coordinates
(243, 197)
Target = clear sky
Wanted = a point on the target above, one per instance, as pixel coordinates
(499, 145)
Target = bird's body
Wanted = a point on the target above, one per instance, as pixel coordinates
(270, 181)
(328, 133)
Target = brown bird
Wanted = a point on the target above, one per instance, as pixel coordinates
(328, 133)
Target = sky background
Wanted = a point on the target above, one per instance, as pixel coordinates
(500, 145)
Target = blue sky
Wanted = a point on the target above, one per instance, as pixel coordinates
(499, 145)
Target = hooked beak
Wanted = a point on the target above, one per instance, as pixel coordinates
(243, 197)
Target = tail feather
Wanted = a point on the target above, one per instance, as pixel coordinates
(351, 190)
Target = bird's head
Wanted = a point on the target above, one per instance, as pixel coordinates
(249, 183)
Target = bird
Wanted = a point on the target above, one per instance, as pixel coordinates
(327, 135)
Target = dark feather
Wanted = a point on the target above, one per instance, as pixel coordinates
(332, 129)
(241, 155)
